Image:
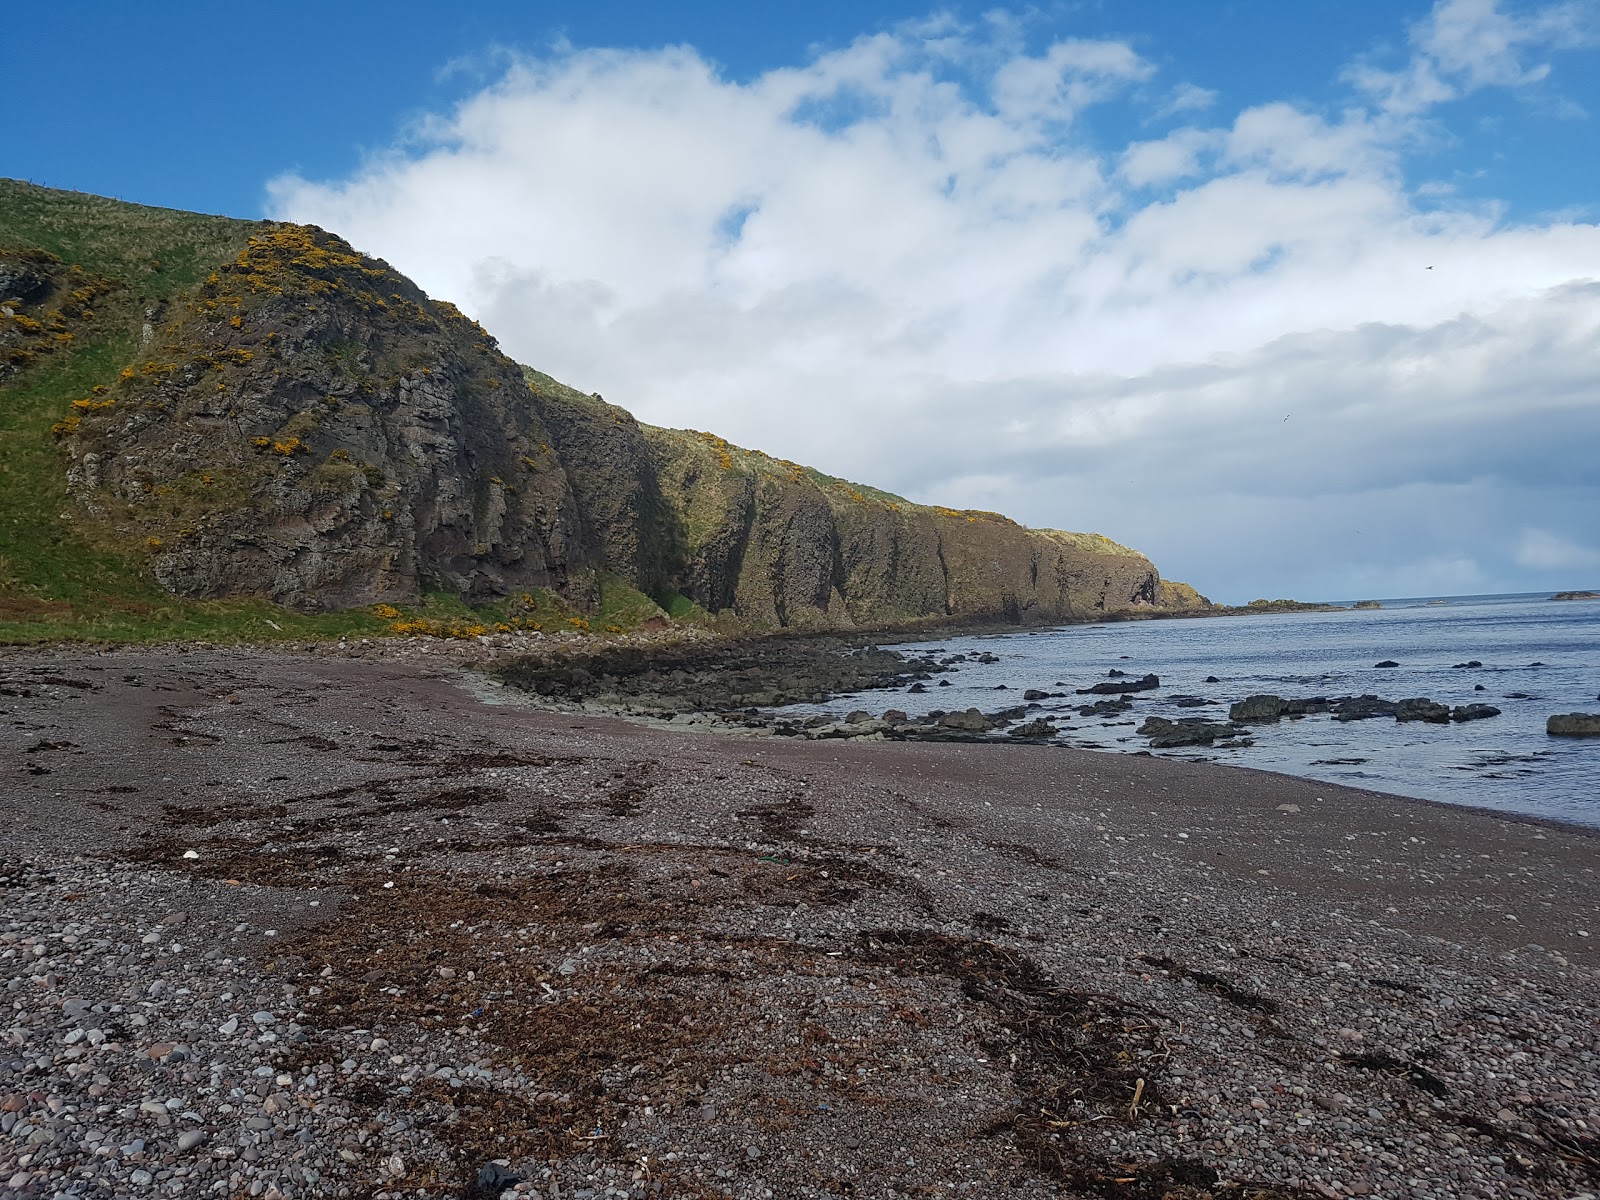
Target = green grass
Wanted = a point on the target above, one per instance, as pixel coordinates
(59, 581)
(622, 604)
(156, 252)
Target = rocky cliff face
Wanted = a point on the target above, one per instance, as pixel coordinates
(309, 426)
(305, 424)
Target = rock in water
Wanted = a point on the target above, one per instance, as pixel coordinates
(1257, 708)
(1146, 684)
(1420, 708)
(1573, 725)
(1473, 712)
(1039, 728)
(1190, 731)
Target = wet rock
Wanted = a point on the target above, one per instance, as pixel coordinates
(1388, 662)
(1473, 712)
(1145, 684)
(1464, 666)
(1256, 709)
(1106, 708)
(1038, 728)
(1035, 694)
(1362, 708)
(1420, 708)
(1573, 725)
(1189, 731)
(1189, 701)
(971, 721)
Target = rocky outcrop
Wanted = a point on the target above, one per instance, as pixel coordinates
(1575, 725)
(308, 426)
(300, 422)
(782, 545)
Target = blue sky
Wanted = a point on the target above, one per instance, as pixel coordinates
(1319, 275)
(195, 105)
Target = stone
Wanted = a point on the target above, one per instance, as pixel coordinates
(1575, 725)
(191, 1139)
(1388, 662)
(1473, 712)
(971, 721)
(1190, 731)
(1420, 708)
(1040, 728)
(1147, 683)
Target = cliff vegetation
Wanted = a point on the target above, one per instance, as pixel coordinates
(220, 428)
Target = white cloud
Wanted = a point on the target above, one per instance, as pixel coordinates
(1541, 550)
(904, 262)
(1464, 45)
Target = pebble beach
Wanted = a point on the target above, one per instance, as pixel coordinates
(283, 924)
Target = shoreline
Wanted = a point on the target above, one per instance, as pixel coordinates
(741, 967)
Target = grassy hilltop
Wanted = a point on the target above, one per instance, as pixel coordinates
(215, 428)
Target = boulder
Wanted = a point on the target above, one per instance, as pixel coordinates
(1420, 708)
(1040, 728)
(1256, 709)
(1473, 712)
(1388, 662)
(1146, 684)
(971, 721)
(1362, 708)
(1106, 708)
(1189, 701)
(1573, 725)
(1035, 694)
(1190, 731)
(1466, 665)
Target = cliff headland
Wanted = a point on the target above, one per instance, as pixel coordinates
(218, 427)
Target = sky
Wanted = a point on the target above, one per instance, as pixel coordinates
(1300, 300)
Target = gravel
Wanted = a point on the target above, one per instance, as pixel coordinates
(419, 933)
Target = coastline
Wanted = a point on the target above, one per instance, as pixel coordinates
(683, 948)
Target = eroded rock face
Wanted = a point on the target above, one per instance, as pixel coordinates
(310, 427)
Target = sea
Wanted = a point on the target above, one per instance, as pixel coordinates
(1538, 656)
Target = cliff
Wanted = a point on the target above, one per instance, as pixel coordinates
(254, 409)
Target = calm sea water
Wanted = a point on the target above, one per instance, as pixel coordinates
(1545, 650)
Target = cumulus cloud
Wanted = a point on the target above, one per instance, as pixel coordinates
(906, 261)
(1464, 45)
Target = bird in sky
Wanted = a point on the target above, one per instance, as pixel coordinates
(1427, 268)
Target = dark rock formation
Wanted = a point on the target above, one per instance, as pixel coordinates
(1190, 731)
(1576, 725)
(1146, 684)
(1040, 727)
(295, 420)
(1106, 708)
(1420, 708)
